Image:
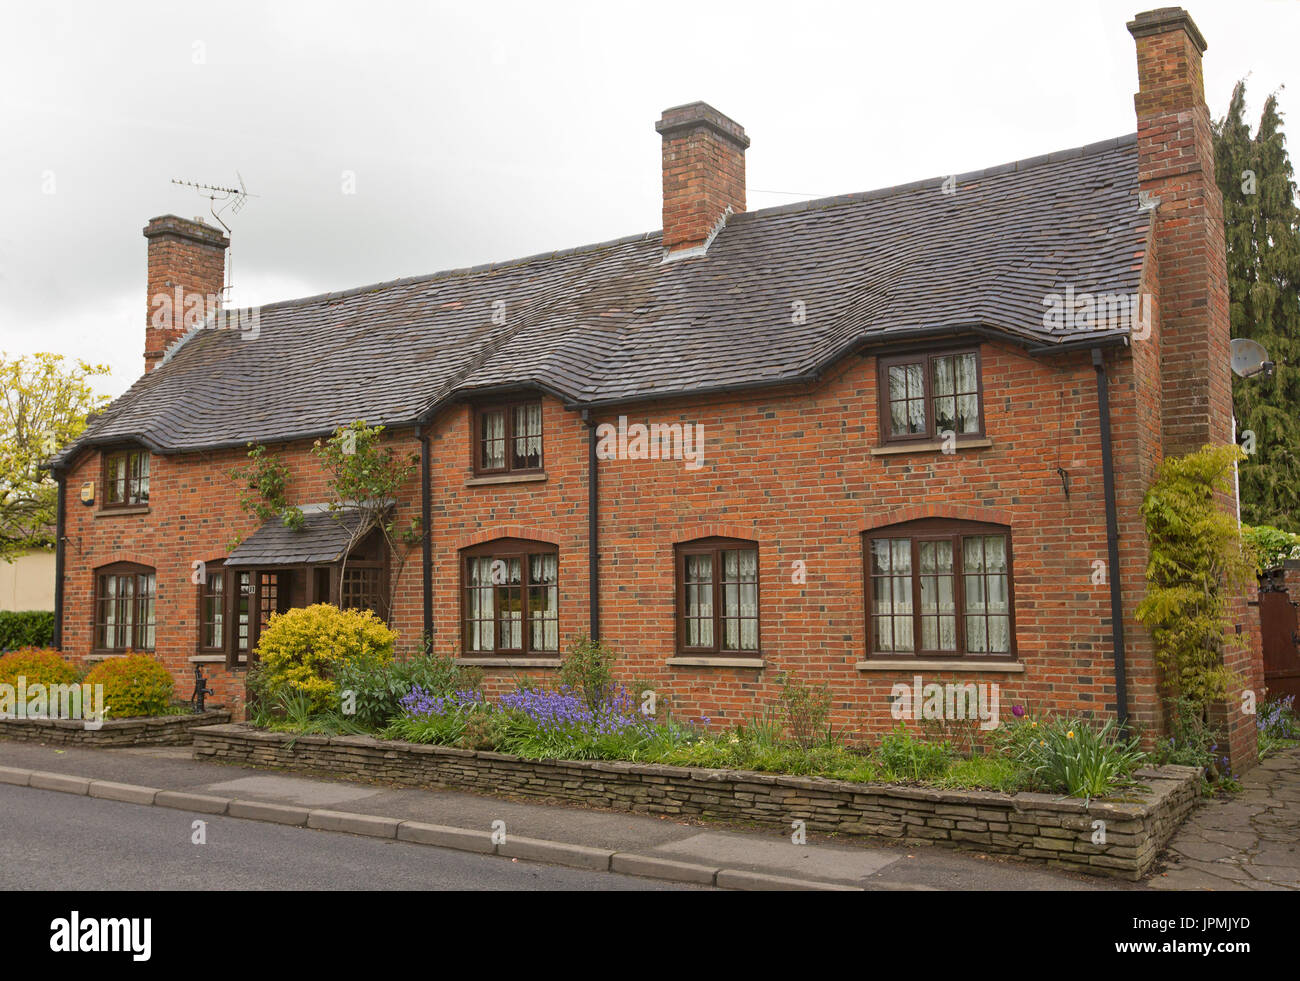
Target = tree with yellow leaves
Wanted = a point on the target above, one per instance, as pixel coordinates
(45, 403)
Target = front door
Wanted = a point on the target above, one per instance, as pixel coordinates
(271, 594)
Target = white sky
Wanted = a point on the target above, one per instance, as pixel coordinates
(483, 132)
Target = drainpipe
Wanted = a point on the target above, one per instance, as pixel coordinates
(426, 536)
(593, 528)
(60, 521)
(1112, 539)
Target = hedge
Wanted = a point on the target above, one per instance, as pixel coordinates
(26, 628)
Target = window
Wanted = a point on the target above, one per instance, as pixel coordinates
(124, 608)
(212, 610)
(242, 588)
(511, 598)
(362, 588)
(717, 596)
(508, 438)
(922, 396)
(126, 478)
(940, 588)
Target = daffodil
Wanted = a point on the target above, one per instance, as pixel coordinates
(1070, 734)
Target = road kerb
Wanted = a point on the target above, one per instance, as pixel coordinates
(736, 879)
(15, 776)
(127, 793)
(61, 782)
(556, 853)
(256, 810)
(445, 836)
(185, 801)
(356, 824)
(651, 867)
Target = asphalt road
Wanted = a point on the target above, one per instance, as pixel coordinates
(60, 841)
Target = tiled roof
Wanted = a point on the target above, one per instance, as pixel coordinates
(324, 537)
(613, 322)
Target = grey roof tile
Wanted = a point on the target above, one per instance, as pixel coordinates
(611, 321)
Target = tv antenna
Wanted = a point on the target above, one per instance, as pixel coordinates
(232, 198)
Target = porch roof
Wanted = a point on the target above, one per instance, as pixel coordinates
(324, 537)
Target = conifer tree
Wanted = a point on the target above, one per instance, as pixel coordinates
(1262, 226)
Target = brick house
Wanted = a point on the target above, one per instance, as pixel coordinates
(864, 438)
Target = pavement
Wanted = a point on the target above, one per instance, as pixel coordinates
(1250, 840)
(712, 853)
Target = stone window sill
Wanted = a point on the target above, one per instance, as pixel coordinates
(207, 659)
(930, 446)
(970, 665)
(107, 655)
(116, 512)
(687, 661)
(510, 662)
(506, 478)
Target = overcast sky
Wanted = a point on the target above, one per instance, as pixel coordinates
(482, 132)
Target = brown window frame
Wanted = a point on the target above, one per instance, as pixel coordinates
(136, 482)
(715, 546)
(379, 592)
(931, 529)
(506, 548)
(99, 623)
(926, 359)
(508, 411)
(237, 656)
(214, 568)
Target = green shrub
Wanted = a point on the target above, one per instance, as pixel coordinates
(303, 649)
(378, 686)
(26, 628)
(904, 757)
(588, 668)
(806, 710)
(134, 685)
(1272, 546)
(38, 666)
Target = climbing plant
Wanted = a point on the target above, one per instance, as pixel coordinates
(364, 478)
(266, 479)
(1199, 560)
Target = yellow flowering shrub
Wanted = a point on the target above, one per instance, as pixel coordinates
(135, 685)
(301, 650)
(38, 665)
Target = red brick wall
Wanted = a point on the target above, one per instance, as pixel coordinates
(794, 472)
(194, 515)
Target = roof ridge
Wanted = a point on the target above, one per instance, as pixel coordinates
(1014, 166)
(462, 271)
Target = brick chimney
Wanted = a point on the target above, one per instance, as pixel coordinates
(1176, 166)
(704, 175)
(187, 272)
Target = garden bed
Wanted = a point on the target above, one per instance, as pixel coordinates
(156, 730)
(1058, 830)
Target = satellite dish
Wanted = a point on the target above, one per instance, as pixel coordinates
(1249, 357)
